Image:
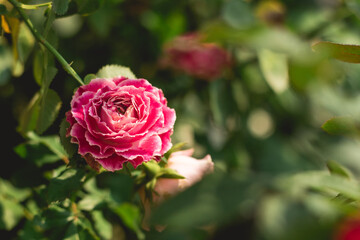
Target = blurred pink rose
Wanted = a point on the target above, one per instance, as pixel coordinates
(349, 229)
(120, 120)
(203, 60)
(192, 169)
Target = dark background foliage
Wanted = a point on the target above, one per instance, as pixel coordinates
(272, 158)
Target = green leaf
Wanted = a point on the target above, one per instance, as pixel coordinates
(337, 169)
(169, 173)
(6, 60)
(38, 66)
(89, 77)
(48, 77)
(36, 153)
(49, 110)
(130, 215)
(85, 229)
(120, 185)
(42, 109)
(343, 52)
(31, 231)
(52, 142)
(86, 7)
(274, 67)
(60, 7)
(55, 217)
(69, 147)
(219, 98)
(29, 116)
(25, 42)
(11, 192)
(102, 225)
(111, 71)
(321, 181)
(2, 9)
(341, 126)
(94, 197)
(353, 6)
(64, 185)
(10, 213)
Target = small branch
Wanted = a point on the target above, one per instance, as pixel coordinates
(34, 6)
(43, 41)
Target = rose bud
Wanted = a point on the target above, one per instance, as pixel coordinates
(188, 54)
(193, 170)
(120, 120)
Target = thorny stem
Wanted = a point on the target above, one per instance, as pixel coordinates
(43, 41)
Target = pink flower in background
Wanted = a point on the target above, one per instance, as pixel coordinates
(120, 120)
(193, 170)
(203, 60)
(349, 229)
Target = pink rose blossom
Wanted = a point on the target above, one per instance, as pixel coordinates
(193, 170)
(203, 60)
(120, 120)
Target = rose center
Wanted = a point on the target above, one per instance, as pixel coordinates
(121, 106)
(124, 107)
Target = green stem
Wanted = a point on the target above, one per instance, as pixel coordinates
(35, 6)
(43, 41)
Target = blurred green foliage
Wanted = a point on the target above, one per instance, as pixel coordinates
(278, 174)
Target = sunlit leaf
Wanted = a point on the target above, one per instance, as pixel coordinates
(102, 225)
(275, 69)
(11, 210)
(11, 192)
(111, 71)
(26, 42)
(10, 213)
(341, 126)
(36, 153)
(95, 196)
(322, 181)
(338, 169)
(85, 229)
(343, 52)
(29, 116)
(52, 142)
(89, 77)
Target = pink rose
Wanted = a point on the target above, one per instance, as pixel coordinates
(120, 120)
(203, 60)
(193, 170)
